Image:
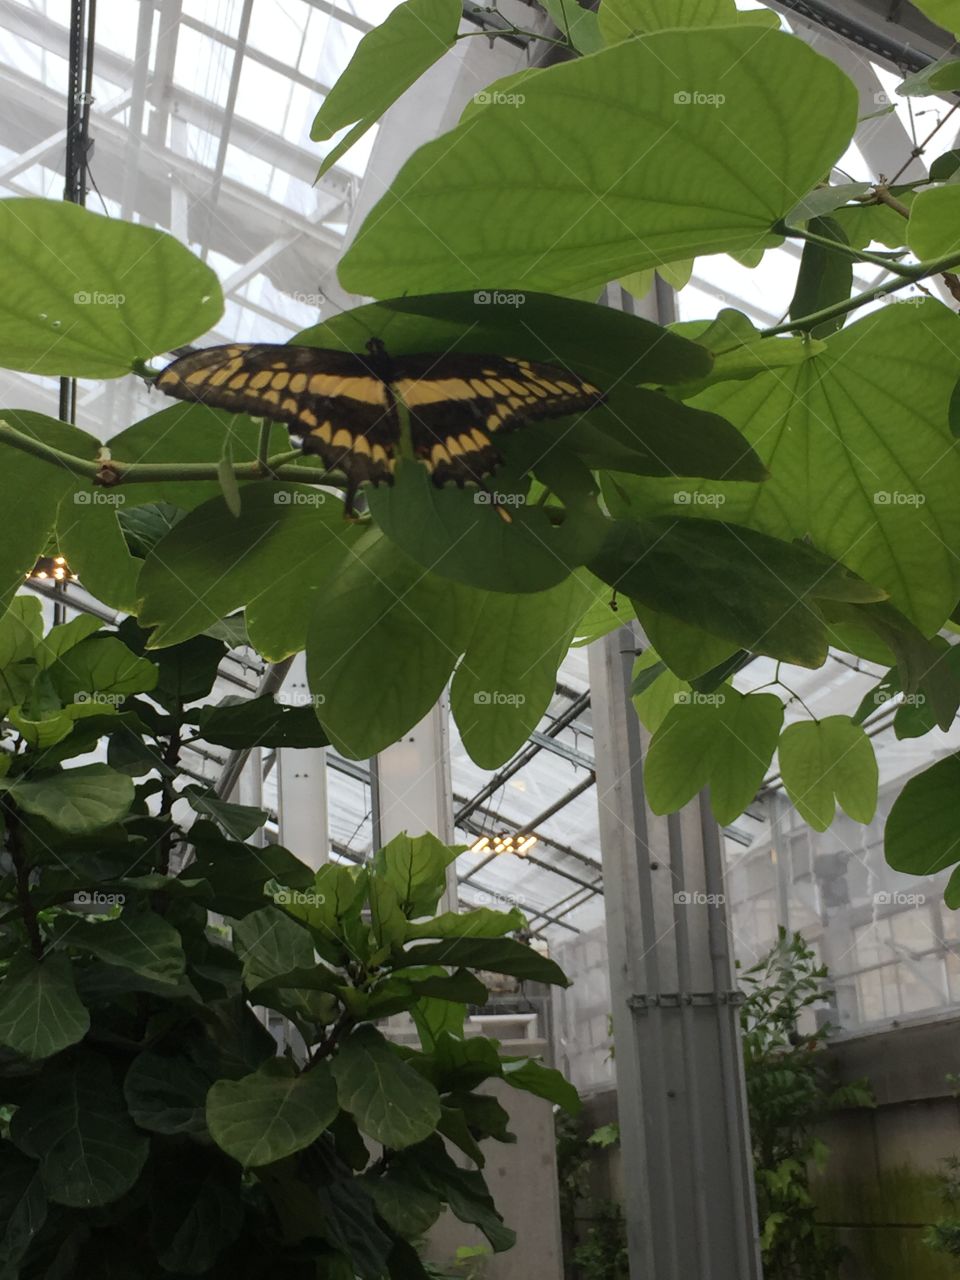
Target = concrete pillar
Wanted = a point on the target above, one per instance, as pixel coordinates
(302, 783)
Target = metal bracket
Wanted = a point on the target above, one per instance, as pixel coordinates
(675, 999)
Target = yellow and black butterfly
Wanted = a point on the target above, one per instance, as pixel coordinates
(343, 405)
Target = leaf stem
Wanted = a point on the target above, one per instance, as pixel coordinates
(918, 273)
(858, 255)
(113, 472)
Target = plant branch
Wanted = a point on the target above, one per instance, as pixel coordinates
(920, 272)
(919, 149)
(858, 255)
(112, 472)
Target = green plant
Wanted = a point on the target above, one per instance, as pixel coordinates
(790, 1088)
(943, 1236)
(599, 1250)
(151, 1126)
(745, 491)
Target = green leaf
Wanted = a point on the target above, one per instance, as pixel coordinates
(464, 1190)
(621, 19)
(167, 1093)
(656, 690)
(825, 277)
(260, 722)
(64, 637)
(23, 1209)
(101, 665)
(390, 1101)
(922, 834)
(687, 651)
(578, 25)
(271, 1114)
(528, 201)
(270, 944)
(941, 76)
(141, 941)
(75, 800)
(238, 820)
(187, 671)
(740, 351)
(416, 867)
(932, 229)
(197, 1211)
(114, 303)
(213, 562)
(507, 677)
(545, 1082)
(754, 591)
(824, 762)
(946, 13)
(74, 1122)
(89, 536)
(462, 533)
(387, 61)
(723, 740)
(382, 644)
(860, 455)
(40, 1011)
(21, 632)
(499, 955)
(27, 537)
(482, 923)
(406, 1208)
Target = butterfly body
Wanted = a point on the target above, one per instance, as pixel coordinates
(345, 405)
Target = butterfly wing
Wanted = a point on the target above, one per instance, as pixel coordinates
(335, 400)
(457, 403)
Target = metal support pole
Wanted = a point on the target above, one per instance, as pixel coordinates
(690, 1204)
(412, 790)
(302, 784)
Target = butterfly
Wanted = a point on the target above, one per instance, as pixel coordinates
(343, 405)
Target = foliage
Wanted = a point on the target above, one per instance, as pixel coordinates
(943, 1236)
(790, 1088)
(146, 1103)
(599, 1250)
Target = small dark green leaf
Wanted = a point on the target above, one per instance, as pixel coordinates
(76, 800)
(922, 834)
(273, 1113)
(260, 722)
(390, 1101)
(40, 1011)
(826, 276)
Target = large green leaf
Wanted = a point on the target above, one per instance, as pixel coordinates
(27, 537)
(75, 800)
(621, 19)
(922, 834)
(944, 12)
(723, 740)
(387, 61)
(142, 941)
(825, 762)
(416, 867)
(579, 25)
(491, 539)
(754, 591)
(527, 198)
(482, 923)
(499, 955)
(40, 1011)
(273, 1113)
(167, 1093)
(390, 1101)
(213, 562)
(86, 295)
(932, 229)
(89, 536)
(382, 644)
(860, 455)
(74, 1122)
(101, 665)
(271, 944)
(507, 677)
(259, 722)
